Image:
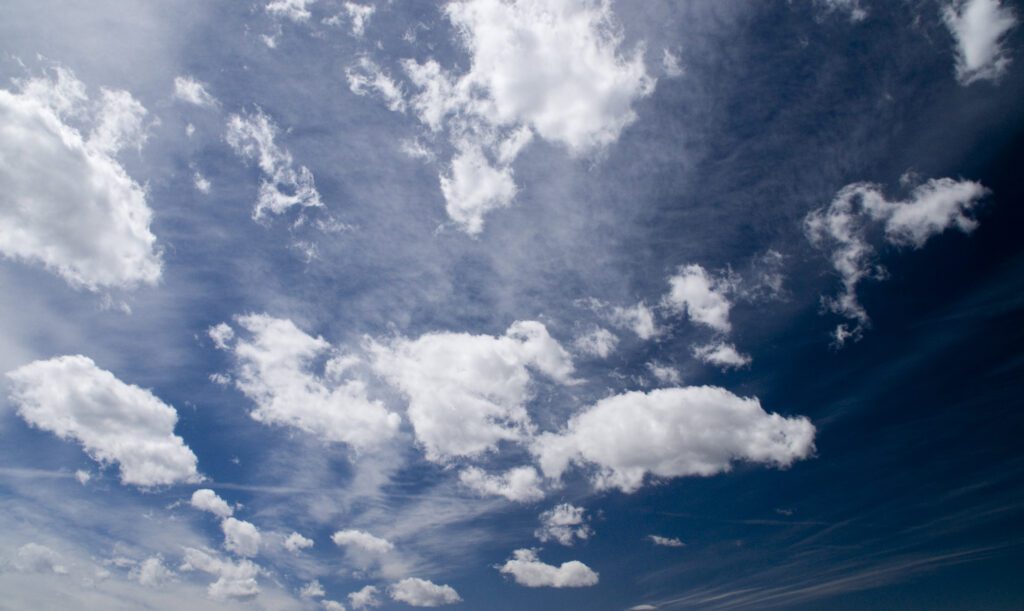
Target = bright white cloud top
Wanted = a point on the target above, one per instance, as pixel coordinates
(115, 422)
(235, 580)
(241, 537)
(563, 523)
(979, 27)
(68, 204)
(205, 499)
(701, 296)
(519, 484)
(187, 89)
(423, 593)
(528, 570)
(362, 541)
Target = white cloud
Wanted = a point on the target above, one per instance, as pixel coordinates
(979, 27)
(36, 558)
(672, 432)
(638, 318)
(221, 334)
(201, 183)
(296, 10)
(151, 572)
(187, 89)
(422, 593)
(68, 204)
(360, 540)
(241, 537)
(364, 598)
(597, 342)
(115, 422)
(666, 374)
(721, 354)
(563, 523)
(252, 137)
(205, 499)
(83, 476)
(852, 7)
(234, 579)
(520, 484)
(313, 589)
(365, 77)
(473, 187)
(665, 541)
(468, 392)
(296, 543)
(841, 228)
(529, 571)
(360, 15)
(670, 64)
(275, 370)
(332, 605)
(702, 297)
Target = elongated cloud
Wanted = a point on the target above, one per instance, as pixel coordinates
(520, 484)
(68, 204)
(362, 541)
(187, 89)
(207, 500)
(672, 432)
(979, 27)
(563, 523)
(422, 593)
(115, 422)
(235, 580)
(528, 570)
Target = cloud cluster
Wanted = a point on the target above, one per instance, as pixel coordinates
(672, 432)
(235, 580)
(115, 422)
(841, 228)
(979, 27)
(68, 204)
(563, 523)
(528, 570)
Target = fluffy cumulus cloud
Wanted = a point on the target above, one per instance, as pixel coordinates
(597, 342)
(364, 598)
(979, 27)
(554, 69)
(312, 589)
(702, 297)
(365, 77)
(275, 368)
(841, 228)
(207, 500)
(528, 570)
(519, 484)
(36, 558)
(252, 137)
(672, 432)
(721, 354)
(241, 537)
(468, 392)
(359, 15)
(665, 374)
(563, 523)
(422, 593)
(332, 605)
(362, 541)
(638, 318)
(115, 422)
(151, 572)
(295, 543)
(68, 204)
(187, 89)
(665, 541)
(235, 580)
(295, 10)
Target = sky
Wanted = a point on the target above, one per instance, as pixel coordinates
(511, 304)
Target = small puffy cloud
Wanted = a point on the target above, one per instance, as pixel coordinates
(721, 354)
(364, 598)
(637, 318)
(251, 136)
(115, 422)
(332, 605)
(364, 541)
(151, 572)
(672, 432)
(83, 476)
(68, 204)
(473, 187)
(295, 10)
(841, 228)
(563, 523)
(665, 374)
(221, 334)
(979, 27)
(422, 593)
(597, 342)
(520, 484)
(366, 77)
(275, 369)
(702, 297)
(468, 392)
(187, 89)
(36, 558)
(235, 580)
(205, 499)
(241, 537)
(201, 183)
(359, 15)
(313, 589)
(665, 541)
(527, 570)
(670, 64)
(295, 543)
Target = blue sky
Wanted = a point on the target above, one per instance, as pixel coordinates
(311, 304)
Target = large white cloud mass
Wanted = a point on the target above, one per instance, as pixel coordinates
(422, 593)
(468, 392)
(672, 432)
(979, 27)
(842, 229)
(528, 570)
(66, 203)
(115, 422)
(276, 370)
